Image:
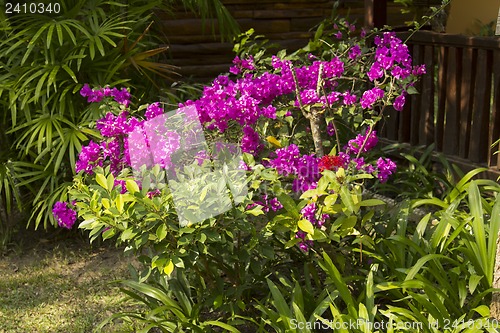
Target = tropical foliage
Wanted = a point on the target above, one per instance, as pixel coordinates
(45, 59)
(293, 236)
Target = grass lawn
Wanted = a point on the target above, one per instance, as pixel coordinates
(60, 284)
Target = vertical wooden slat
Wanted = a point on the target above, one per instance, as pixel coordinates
(494, 160)
(426, 127)
(391, 124)
(469, 59)
(441, 92)
(451, 126)
(375, 13)
(416, 99)
(478, 151)
(404, 126)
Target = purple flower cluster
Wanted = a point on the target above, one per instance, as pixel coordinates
(113, 149)
(354, 52)
(385, 167)
(309, 213)
(330, 129)
(125, 134)
(250, 142)
(153, 110)
(89, 158)
(362, 142)
(399, 102)
(64, 215)
(96, 95)
(241, 64)
(304, 244)
(267, 204)
(249, 97)
(370, 97)
(304, 168)
(391, 56)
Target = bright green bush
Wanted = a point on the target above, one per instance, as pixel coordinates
(304, 240)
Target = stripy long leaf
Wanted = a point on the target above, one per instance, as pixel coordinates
(493, 236)
(280, 304)
(339, 282)
(476, 210)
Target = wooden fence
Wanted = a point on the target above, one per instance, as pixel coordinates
(458, 107)
(287, 23)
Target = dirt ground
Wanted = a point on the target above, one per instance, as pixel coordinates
(57, 282)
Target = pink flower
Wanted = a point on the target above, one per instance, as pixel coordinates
(64, 215)
(399, 102)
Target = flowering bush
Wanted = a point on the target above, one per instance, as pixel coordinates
(300, 200)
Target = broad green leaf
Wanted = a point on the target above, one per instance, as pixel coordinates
(299, 317)
(108, 233)
(127, 234)
(346, 197)
(110, 181)
(105, 203)
(331, 199)
(101, 180)
(169, 268)
(422, 261)
(473, 282)
(256, 211)
(289, 204)
(371, 202)
(161, 232)
(306, 226)
(119, 202)
(480, 248)
(132, 186)
(157, 294)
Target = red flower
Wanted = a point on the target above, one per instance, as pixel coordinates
(329, 162)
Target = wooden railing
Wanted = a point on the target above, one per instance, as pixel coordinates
(458, 108)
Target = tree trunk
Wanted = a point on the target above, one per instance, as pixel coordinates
(315, 121)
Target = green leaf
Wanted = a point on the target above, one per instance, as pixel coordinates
(132, 186)
(161, 232)
(159, 295)
(256, 211)
(108, 233)
(331, 199)
(110, 181)
(473, 282)
(346, 197)
(371, 202)
(336, 277)
(225, 326)
(280, 303)
(101, 180)
(306, 226)
(120, 202)
(422, 261)
(289, 204)
(127, 234)
(169, 268)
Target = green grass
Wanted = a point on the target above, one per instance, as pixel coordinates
(61, 286)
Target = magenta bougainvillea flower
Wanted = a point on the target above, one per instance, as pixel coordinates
(64, 215)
